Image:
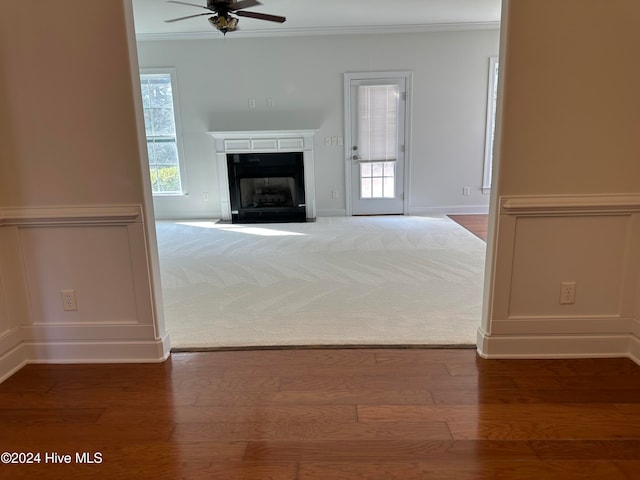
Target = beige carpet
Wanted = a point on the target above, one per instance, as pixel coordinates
(396, 280)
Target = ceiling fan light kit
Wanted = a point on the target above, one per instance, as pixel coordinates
(224, 24)
(224, 11)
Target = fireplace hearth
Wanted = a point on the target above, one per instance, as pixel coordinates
(266, 187)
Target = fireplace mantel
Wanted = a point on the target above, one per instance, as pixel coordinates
(264, 141)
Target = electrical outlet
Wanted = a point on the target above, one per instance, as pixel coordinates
(252, 103)
(205, 196)
(567, 293)
(334, 194)
(69, 302)
(466, 190)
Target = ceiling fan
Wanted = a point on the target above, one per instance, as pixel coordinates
(223, 11)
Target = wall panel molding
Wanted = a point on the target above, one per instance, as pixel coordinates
(545, 240)
(101, 252)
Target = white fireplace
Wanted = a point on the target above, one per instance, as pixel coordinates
(264, 141)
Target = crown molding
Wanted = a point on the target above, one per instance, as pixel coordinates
(318, 31)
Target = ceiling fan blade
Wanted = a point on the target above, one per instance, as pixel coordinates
(190, 4)
(189, 16)
(243, 4)
(260, 16)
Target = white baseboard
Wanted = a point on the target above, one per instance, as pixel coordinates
(12, 355)
(187, 215)
(634, 349)
(552, 346)
(450, 210)
(331, 212)
(12, 361)
(562, 325)
(634, 342)
(154, 351)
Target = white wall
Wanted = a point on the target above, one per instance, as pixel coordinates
(304, 77)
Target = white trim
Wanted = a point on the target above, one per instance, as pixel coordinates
(569, 205)
(148, 227)
(583, 325)
(540, 336)
(295, 140)
(634, 349)
(315, 31)
(76, 332)
(450, 210)
(408, 78)
(84, 215)
(332, 212)
(10, 339)
(552, 346)
(635, 328)
(490, 122)
(151, 351)
(139, 339)
(12, 361)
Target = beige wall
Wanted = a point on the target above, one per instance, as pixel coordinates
(67, 85)
(572, 105)
(72, 202)
(568, 196)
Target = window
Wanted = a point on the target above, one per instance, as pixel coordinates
(492, 100)
(377, 179)
(163, 147)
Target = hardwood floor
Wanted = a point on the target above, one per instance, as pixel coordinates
(327, 414)
(476, 224)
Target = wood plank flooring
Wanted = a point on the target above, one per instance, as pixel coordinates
(476, 224)
(327, 414)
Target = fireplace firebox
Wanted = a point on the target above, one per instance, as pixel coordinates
(266, 187)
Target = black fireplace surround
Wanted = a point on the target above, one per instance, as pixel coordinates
(266, 187)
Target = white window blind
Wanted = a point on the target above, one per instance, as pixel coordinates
(378, 122)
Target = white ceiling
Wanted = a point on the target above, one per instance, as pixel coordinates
(320, 17)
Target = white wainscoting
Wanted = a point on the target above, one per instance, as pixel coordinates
(543, 241)
(101, 253)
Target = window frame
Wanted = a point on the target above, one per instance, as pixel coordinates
(492, 101)
(178, 126)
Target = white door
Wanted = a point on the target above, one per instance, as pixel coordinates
(376, 144)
